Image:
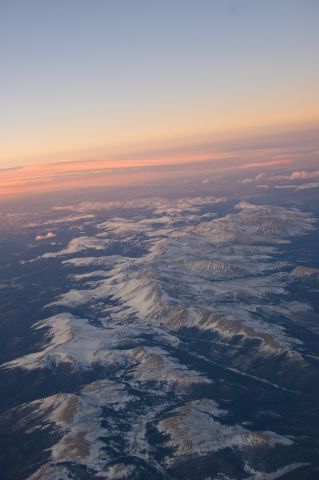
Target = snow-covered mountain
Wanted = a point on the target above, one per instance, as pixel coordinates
(174, 333)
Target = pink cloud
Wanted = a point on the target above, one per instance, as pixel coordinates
(258, 177)
(303, 175)
(267, 163)
(45, 236)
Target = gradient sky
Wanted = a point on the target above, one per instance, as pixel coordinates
(84, 79)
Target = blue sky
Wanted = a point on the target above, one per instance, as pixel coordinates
(84, 77)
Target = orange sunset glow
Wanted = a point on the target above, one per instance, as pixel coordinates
(111, 173)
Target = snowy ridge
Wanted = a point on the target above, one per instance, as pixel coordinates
(200, 295)
(194, 428)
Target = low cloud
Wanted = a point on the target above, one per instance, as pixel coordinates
(258, 177)
(303, 175)
(45, 236)
(305, 186)
(295, 175)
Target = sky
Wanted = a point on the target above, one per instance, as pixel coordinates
(111, 79)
